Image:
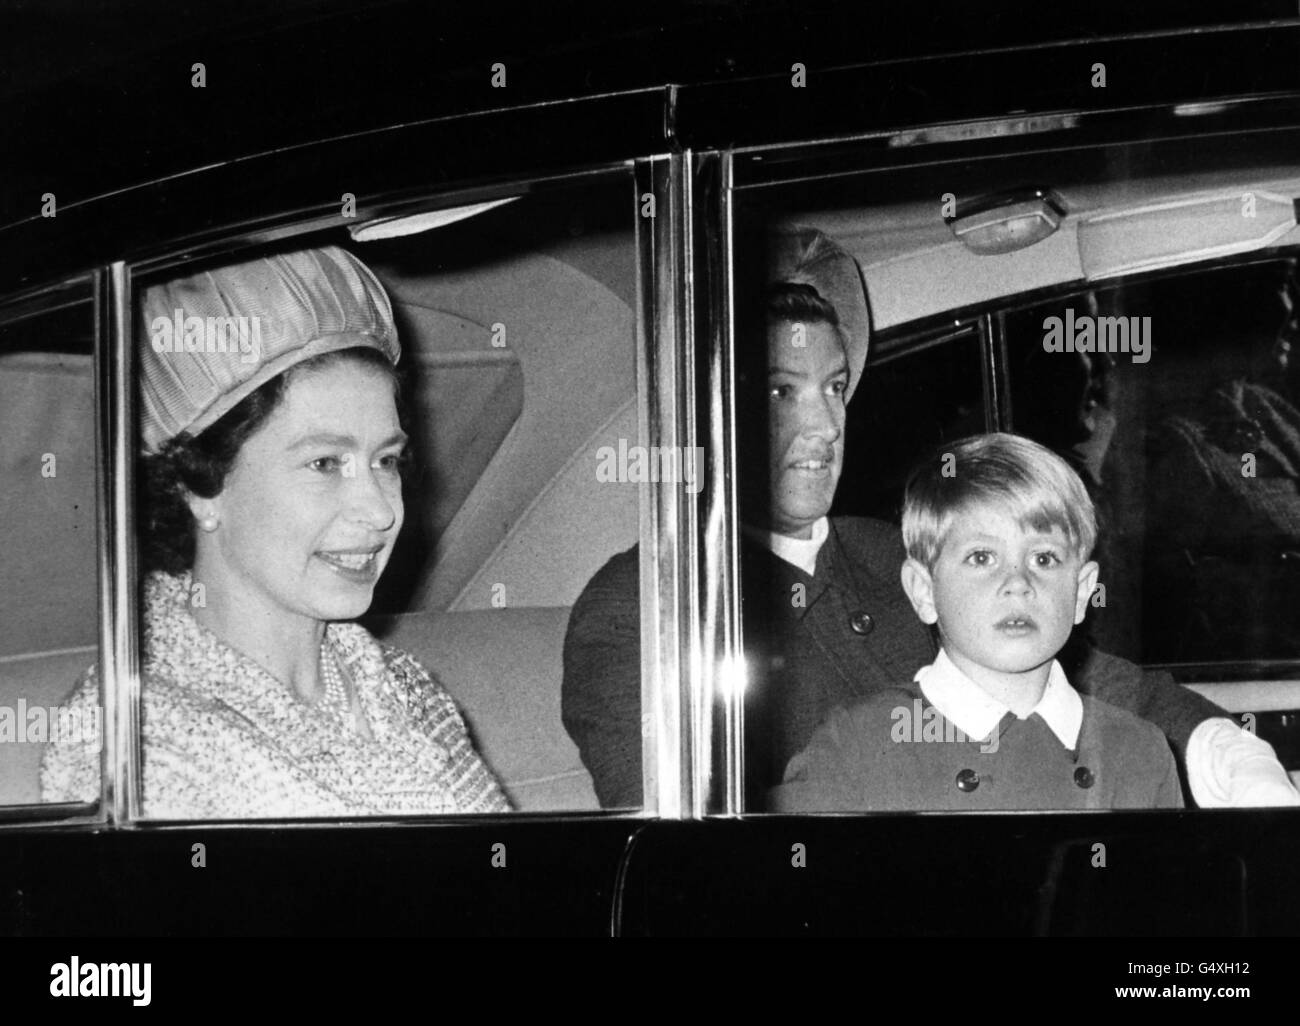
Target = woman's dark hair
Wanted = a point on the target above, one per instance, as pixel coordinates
(797, 303)
(780, 302)
(199, 464)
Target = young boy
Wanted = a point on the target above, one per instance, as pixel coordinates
(998, 531)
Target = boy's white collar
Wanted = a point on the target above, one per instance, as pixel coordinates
(963, 702)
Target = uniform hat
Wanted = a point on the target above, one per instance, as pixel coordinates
(801, 255)
(210, 340)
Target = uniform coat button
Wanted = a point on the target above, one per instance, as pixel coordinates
(1084, 778)
(862, 623)
(968, 780)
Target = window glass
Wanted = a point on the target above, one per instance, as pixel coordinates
(1147, 493)
(357, 584)
(48, 624)
(914, 394)
(516, 580)
(825, 446)
(1090, 409)
(1192, 456)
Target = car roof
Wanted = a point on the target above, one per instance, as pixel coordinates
(122, 87)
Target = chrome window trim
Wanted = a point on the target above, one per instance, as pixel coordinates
(119, 641)
(720, 690)
(1152, 118)
(666, 354)
(997, 377)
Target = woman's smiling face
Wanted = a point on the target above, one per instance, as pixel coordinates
(311, 509)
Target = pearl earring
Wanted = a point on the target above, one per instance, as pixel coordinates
(209, 523)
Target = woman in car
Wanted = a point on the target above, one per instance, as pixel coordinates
(272, 501)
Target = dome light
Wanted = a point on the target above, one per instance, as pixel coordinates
(1007, 221)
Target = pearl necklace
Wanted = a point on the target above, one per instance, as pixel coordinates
(334, 703)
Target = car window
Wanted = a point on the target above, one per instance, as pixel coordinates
(526, 486)
(915, 393)
(820, 483)
(1184, 439)
(521, 476)
(48, 606)
(1192, 452)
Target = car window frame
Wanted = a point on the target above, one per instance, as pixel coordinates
(87, 288)
(666, 519)
(864, 154)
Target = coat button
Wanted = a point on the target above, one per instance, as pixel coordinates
(1084, 778)
(968, 780)
(862, 623)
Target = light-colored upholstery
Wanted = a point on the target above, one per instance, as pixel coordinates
(47, 502)
(538, 520)
(503, 668)
(569, 532)
(41, 680)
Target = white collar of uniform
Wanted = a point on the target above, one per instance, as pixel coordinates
(976, 714)
(802, 552)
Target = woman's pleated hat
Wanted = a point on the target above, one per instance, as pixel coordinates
(210, 340)
(802, 255)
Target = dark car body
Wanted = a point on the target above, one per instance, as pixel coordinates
(696, 108)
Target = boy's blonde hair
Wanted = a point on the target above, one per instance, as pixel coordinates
(1021, 478)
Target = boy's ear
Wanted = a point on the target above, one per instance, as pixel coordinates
(1087, 585)
(920, 589)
